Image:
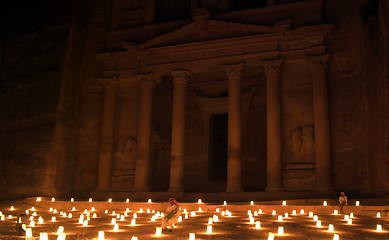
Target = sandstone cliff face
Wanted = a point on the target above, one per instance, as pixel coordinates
(33, 46)
(51, 105)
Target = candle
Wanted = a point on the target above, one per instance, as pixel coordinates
(379, 228)
(116, 227)
(330, 228)
(270, 236)
(318, 223)
(100, 235)
(158, 231)
(280, 230)
(209, 229)
(378, 215)
(325, 203)
(60, 229)
(252, 203)
(192, 236)
(357, 203)
(336, 237)
(283, 203)
(43, 236)
(199, 201)
(257, 224)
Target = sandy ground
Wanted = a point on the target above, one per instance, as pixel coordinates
(236, 226)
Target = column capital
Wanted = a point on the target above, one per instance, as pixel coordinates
(319, 62)
(271, 66)
(180, 76)
(108, 82)
(146, 79)
(234, 70)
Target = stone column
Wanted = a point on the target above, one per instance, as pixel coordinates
(107, 134)
(318, 66)
(272, 70)
(180, 78)
(234, 161)
(141, 182)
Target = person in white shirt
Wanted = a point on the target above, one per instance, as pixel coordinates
(171, 215)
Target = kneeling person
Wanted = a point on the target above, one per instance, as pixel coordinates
(171, 215)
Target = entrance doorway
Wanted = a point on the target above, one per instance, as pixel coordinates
(218, 147)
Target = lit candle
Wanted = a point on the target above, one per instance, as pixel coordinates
(133, 222)
(335, 212)
(325, 203)
(351, 215)
(215, 218)
(252, 203)
(270, 236)
(259, 211)
(134, 238)
(280, 218)
(53, 219)
(280, 230)
(158, 231)
(294, 212)
(315, 218)
(179, 219)
(273, 212)
(378, 215)
(283, 203)
(192, 236)
(379, 228)
(357, 203)
(225, 203)
(72, 199)
(53, 199)
(60, 229)
(134, 215)
(330, 228)
(38, 199)
(286, 215)
(318, 223)
(100, 235)
(346, 217)
(349, 221)
(110, 200)
(116, 228)
(302, 211)
(210, 220)
(336, 237)
(40, 220)
(199, 201)
(252, 220)
(61, 236)
(12, 208)
(310, 214)
(209, 229)
(28, 233)
(257, 225)
(90, 199)
(113, 221)
(43, 236)
(85, 223)
(127, 200)
(149, 201)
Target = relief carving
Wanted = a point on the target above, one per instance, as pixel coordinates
(124, 157)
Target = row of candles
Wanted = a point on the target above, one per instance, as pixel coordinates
(62, 235)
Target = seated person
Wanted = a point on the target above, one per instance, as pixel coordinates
(171, 215)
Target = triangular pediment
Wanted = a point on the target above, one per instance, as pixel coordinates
(201, 30)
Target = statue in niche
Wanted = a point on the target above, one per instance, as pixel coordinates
(124, 156)
(302, 144)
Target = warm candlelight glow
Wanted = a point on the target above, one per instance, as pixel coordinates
(260, 211)
(225, 203)
(336, 237)
(61, 236)
(210, 220)
(357, 203)
(192, 236)
(286, 215)
(283, 203)
(12, 208)
(351, 215)
(53, 199)
(133, 222)
(53, 219)
(199, 201)
(346, 217)
(257, 224)
(270, 236)
(274, 213)
(379, 228)
(280, 230)
(310, 214)
(158, 231)
(38, 199)
(149, 201)
(331, 228)
(315, 218)
(318, 223)
(294, 212)
(116, 228)
(43, 236)
(279, 218)
(378, 215)
(209, 229)
(72, 199)
(127, 200)
(110, 200)
(134, 238)
(90, 199)
(252, 203)
(85, 223)
(302, 211)
(60, 229)
(325, 203)
(28, 232)
(349, 221)
(335, 212)
(101, 235)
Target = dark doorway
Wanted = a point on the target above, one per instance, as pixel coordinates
(218, 142)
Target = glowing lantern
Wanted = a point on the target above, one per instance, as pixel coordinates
(209, 229)
(61, 236)
(346, 217)
(192, 236)
(294, 212)
(225, 203)
(179, 219)
(378, 215)
(200, 209)
(349, 221)
(60, 229)
(127, 200)
(134, 238)
(280, 218)
(257, 224)
(158, 231)
(270, 236)
(85, 223)
(283, 203)
(280, 230)
(40, 220)
(310, 214)
(38, 199)
(134, 215)
(116, 228)
(217, 210)
(73, 208)
(215, 218)
(12, 208)
(336, 237)
(252, 203)
(193, 213)
(53, 199)
(357, 203)
(149, 201)
(335, 212)
(318, 223)
(251, 220)
(286, 215)
(302, 211)
(259, 211)
(43, 236)
(199, 201)
(53, 219)
(351, 215)
(325, 203)
(210, 220)
(72, 199)
(186, 216)
(331, 228)
(379, 228)
(273, 212)
(133, 222)
(315, 218)
(113, 221)
(28, 233)
(100, 235)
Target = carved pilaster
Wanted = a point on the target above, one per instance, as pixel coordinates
(272, 69)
